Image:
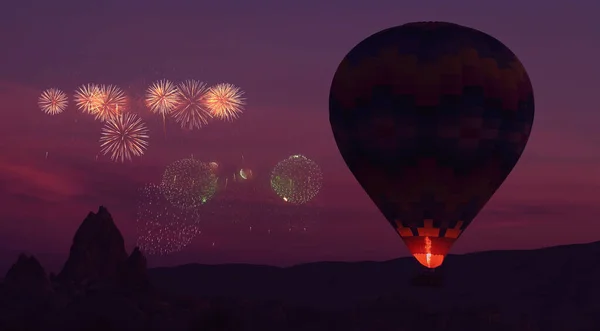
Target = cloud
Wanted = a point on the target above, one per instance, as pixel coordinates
(27, 180)
(528, 210)
(532, 215)
(560, 145)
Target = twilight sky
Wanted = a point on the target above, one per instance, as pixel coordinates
(284, 55)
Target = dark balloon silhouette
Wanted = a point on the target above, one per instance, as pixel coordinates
(431, 117)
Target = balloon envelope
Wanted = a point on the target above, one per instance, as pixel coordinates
(431, 117)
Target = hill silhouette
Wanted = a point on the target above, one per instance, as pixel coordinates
(102, 287)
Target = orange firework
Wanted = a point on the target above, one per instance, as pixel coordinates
(88, 97)
(161, 97)
(111, 103)
(53, 101)
(123, 137)
(225, 101)
(191, 111)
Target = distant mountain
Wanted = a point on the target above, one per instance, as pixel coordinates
(103, 288)
(556, 284)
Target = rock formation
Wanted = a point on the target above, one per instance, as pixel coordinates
(133, 274)
(101, 288)
(97, 253)
(27, 276)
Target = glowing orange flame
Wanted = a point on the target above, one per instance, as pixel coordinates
(430, 261)
(429, 251)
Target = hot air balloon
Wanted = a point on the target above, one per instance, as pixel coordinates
(431, 117)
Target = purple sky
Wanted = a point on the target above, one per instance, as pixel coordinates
(283, 54)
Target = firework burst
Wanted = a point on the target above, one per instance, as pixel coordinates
(163, 229)
(88, 97)
(161, 97)
(296, 179)
(53, 101)
(123, 137)
(225, 101)
(191, 111)
(111, 103)
(188, 183)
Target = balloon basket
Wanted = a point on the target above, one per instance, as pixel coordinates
(428, 278)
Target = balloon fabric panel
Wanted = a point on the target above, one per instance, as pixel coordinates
(431, 118)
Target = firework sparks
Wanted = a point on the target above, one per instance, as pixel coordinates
(123, 137)
(111, 103)
(161, 97)
(88, 97)
(191, 111)
(245, 174)
(296, 179)
(188, 183)
(225, 101)
(53, 101)
(163, 229)
(262, 215)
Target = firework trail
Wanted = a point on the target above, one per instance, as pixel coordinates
(191, 111)
(87, 98)
(161, 98)
(53, 101)
(225, 101)
(123, 137)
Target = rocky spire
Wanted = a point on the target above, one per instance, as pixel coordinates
(133, 274)
(27, 275)
(98, 250)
